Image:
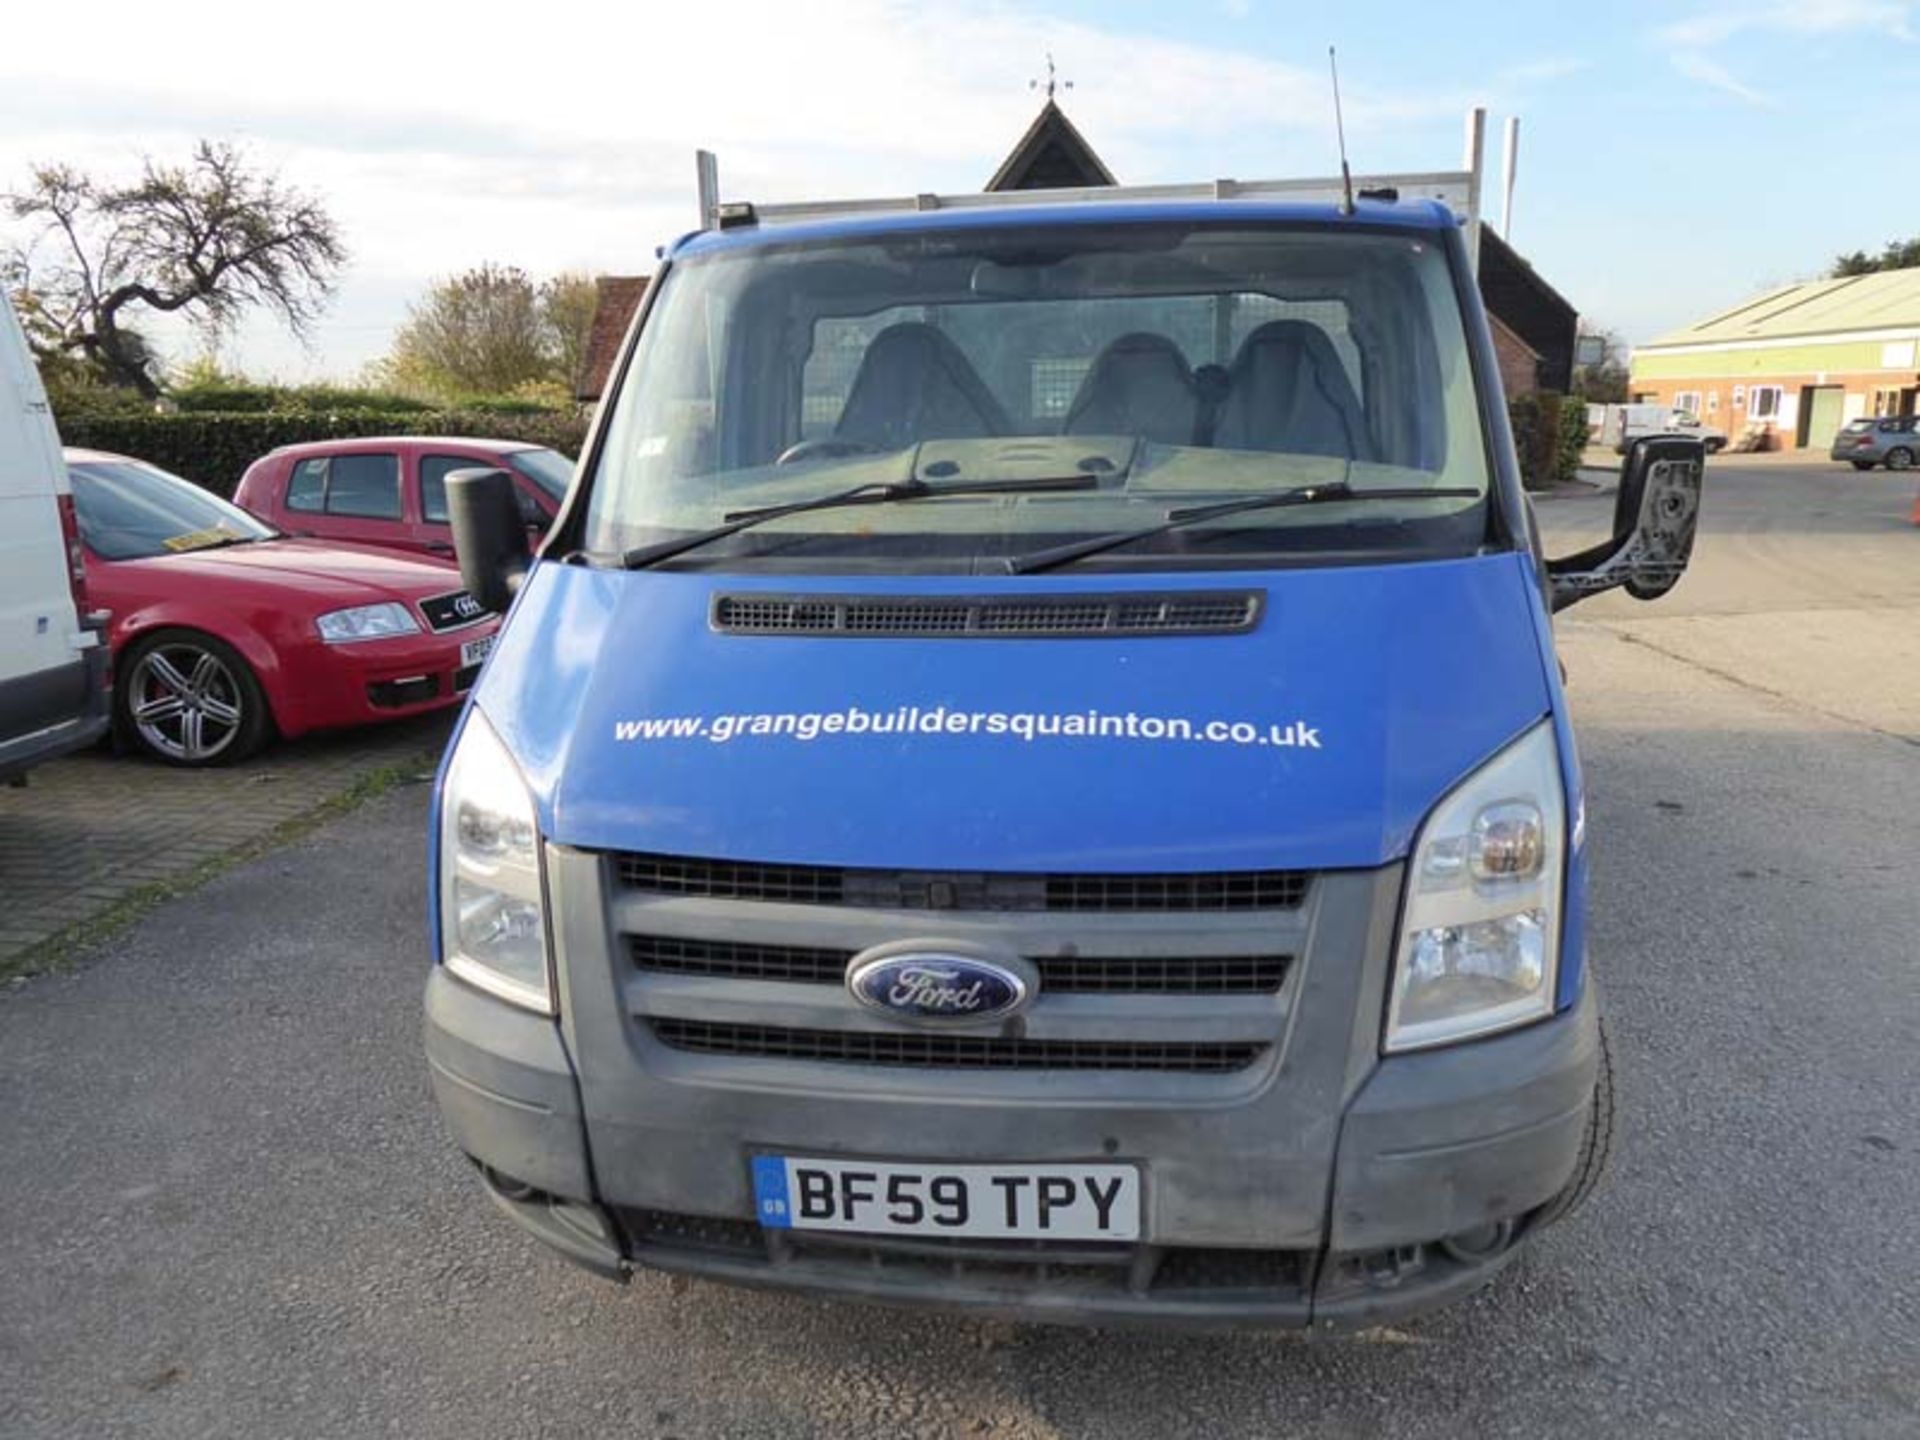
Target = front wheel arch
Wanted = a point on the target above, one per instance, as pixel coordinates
(260, 652)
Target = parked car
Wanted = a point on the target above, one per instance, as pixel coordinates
(1638, 422)
(53, 663)
(1889, 440)
(393, 491)
(225, 631)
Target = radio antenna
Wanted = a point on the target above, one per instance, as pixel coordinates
(1340, 129)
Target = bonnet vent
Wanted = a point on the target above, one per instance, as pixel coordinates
(971, 617)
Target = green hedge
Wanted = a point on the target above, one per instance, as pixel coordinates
(240, 399)
(214, 450)
(1549, 437)
(1575, 436)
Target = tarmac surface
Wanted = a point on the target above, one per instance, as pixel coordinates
(228, 1209)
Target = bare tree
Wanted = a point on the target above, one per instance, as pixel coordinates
(208, 240)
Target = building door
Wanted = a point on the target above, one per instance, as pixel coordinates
(1820, 412)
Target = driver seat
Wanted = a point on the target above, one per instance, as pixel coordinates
(915, 384)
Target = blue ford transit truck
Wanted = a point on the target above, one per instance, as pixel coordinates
(1031, 774)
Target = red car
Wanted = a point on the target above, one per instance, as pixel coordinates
(225, 632)
(393, 492)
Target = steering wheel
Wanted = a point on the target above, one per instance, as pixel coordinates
(823, 447)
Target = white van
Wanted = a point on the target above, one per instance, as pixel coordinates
(54, 686)
(1619, 426)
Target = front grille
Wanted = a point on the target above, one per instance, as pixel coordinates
(1197, 1268)
(1173, 1271)
(452, 610)
(952, 1052)
(742, 962)
(731, 880)
(1059, 974)
(940, 890)
(396, 694)
(988, 616)
(680, 1230)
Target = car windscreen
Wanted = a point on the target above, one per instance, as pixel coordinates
(548, 469)
(1165, 366)
(130, 511)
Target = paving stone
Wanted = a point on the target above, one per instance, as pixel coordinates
(90, 830)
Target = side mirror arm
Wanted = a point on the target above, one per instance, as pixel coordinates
(1654, 521)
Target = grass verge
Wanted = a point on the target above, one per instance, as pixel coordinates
(59, 950)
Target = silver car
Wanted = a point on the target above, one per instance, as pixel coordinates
(1889, 440)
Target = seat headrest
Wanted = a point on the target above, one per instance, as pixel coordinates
(915, 384)
(1139, 384)
(1291, 393)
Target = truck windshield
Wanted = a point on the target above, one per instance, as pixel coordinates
(1172, 366)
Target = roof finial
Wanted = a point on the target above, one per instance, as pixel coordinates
(1053, 82)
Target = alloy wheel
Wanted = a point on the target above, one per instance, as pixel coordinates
(1899, 458)
(185, 702)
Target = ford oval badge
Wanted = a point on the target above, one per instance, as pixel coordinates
(928, 981)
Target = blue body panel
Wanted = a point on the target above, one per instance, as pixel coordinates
(1374, 690)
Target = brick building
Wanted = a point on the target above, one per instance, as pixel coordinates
(1796, 363)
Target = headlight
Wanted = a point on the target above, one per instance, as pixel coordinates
(367, 622)
(1480, 930)
(493, 923)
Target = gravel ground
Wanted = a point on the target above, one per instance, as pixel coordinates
(229, 1210)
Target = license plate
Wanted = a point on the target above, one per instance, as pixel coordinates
(472, 652)
(1028, 1202)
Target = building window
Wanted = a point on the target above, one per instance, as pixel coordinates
(1739, 396)
(1687, 400)
(1763, 402)
(1713, 402)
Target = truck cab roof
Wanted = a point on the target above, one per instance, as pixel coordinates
(1413, 215)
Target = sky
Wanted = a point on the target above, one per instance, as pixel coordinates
(1673, 157)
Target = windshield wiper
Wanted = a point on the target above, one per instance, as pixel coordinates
(872, 493)
(222, 543)
(1338, 490)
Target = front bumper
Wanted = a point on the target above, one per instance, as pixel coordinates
(329, 687)
(1440, 1164)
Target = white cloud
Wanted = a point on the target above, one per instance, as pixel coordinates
(1790, 17)
(1690, 40)
(1712, 73)
(564, 137)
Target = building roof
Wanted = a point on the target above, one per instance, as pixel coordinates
(1539, 316)
(1052, 155)
(619, 296)
(1887, 299)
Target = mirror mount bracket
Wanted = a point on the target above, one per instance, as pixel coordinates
(1655, 515)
